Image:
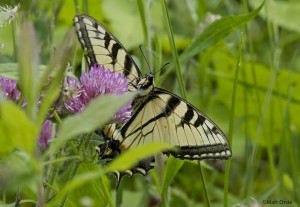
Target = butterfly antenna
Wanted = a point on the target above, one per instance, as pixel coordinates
(145, 57)
(162, 67)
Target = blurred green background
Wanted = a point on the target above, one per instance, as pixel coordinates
(266, 116)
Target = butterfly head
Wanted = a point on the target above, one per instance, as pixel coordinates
(146, 84)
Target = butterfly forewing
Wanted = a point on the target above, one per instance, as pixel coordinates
(104, 49)
(165, 117)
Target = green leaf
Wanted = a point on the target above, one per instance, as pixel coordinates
(28, 66)
(288, 182)
(54, 74)
(217, 31)
(77, 182)
(127, 12)
(99, 186)
(98, 112)
(18, 170)
(283, 13)
(16, 129)
(96, 189)
(171, 169)
(223, 62)
(129, 158)
(10, 70)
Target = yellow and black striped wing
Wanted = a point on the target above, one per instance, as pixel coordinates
(165, 117)
(104, 49)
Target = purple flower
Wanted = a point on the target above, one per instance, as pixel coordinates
(94, 82)
(10, 92)
(9, 89)
(45, 134)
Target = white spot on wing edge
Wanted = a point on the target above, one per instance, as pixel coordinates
(217, 154)
(87, 21)
(209, 124)
(101, 29)
(141, 170)
(196, 156)
(129, 172)
(77, 26)
(76, 19)
(187, 156)
(222, 139)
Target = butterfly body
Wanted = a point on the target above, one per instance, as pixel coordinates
(158, 115)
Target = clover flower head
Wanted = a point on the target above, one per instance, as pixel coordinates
(9, 89)
(45, 134)
(94, 82)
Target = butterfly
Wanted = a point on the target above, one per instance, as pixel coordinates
(158, 116)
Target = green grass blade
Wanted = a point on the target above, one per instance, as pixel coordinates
(141, 7)
(176, 164)
(207, 201)
(289, 149)
(231, 123)
(172, 167)
(168, 25)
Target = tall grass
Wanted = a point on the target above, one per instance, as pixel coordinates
(248, 84)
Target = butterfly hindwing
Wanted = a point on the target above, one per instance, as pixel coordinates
(104, 49)
(111, 149)
(166, 118)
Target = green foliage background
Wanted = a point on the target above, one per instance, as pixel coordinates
(260, 116)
